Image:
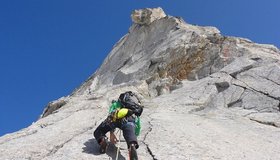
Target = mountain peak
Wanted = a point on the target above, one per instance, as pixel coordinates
(147, 15)
(206, 96)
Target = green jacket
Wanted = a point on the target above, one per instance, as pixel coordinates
(117, 105)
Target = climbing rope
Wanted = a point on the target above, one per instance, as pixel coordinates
(118, 144)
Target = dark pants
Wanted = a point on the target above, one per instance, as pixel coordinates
(127, 126)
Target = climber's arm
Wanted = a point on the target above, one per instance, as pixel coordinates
(113, 137)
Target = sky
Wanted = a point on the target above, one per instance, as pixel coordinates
(50, 47)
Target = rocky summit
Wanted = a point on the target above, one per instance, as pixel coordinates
(206, 97)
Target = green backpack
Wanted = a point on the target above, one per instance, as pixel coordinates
(116, 105)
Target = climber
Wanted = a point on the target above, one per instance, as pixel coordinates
(123, 114)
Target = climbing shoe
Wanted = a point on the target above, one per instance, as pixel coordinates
(132, 152)
(103, 145)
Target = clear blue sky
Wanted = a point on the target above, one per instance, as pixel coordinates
(49, 47)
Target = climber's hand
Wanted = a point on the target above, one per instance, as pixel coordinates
(113, 138)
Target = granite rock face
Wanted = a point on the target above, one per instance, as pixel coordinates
(206, 96)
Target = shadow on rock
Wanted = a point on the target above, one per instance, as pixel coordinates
(92, 147)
